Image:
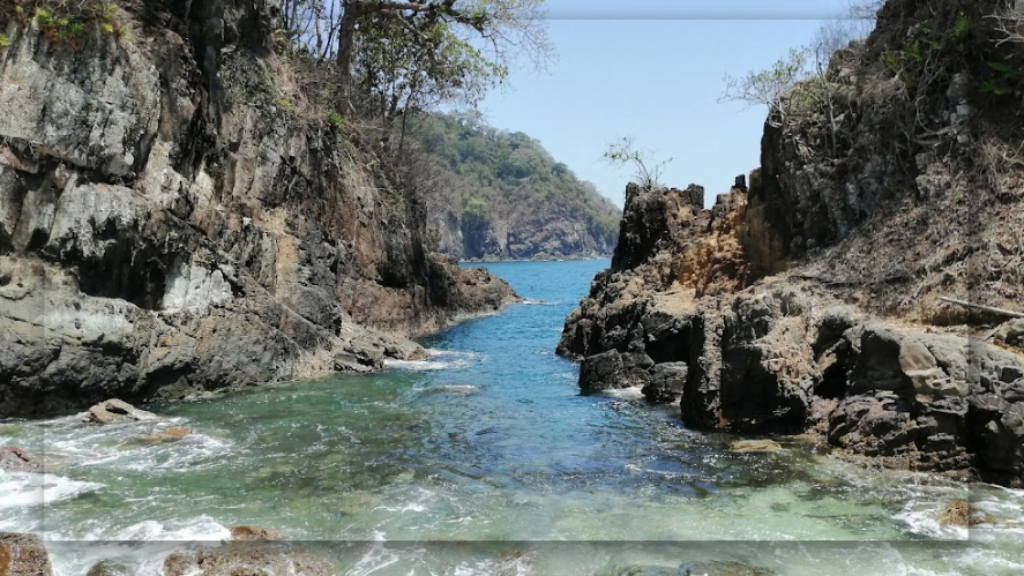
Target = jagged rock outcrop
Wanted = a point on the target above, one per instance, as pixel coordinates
(780, 356)
(810, 301)
(167, 229)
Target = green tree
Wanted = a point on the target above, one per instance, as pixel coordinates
(414, 50)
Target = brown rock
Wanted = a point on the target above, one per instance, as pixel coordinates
(167, 435)
(253, 533)
(956, 513)
(178, 564)
(23, 555)
(755, 446)
(14, 459)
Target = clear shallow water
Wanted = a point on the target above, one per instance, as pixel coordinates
(489, 444)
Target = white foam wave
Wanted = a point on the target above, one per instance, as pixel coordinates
(130, 449)
(377, 558)
(464, 354)
(420, 365)
(533, 302)
(925, 522)
(203, 528)
(437, 360)
(414, 507)
(143, 546)
(632, 393)
(463, 389)
(25, 489)
(195, 451)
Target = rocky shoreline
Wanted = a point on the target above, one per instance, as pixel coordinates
(784, 356)
(861, 288)
(167, 229)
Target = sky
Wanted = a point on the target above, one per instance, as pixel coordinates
(653, 70)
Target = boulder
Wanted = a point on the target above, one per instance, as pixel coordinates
(114, 410)
(752, 364)
(613, 370)
(1010, 333)
(667, 381)
(956, 513)
(997, 430)
(14, 459)
(23, 555)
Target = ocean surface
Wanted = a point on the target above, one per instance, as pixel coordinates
(486, 459)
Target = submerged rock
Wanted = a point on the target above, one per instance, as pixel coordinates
(253, 533)
(247, 559)
(110, 568)
(614, 370)
(755, 446)
(115, 410)
(14, 459)
(711, 568)
(23, 555)
(723, 568)
(167, 435)
(956, 513)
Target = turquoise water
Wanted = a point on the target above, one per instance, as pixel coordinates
(489, 444)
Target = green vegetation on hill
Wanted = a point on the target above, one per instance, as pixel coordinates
(509, 181)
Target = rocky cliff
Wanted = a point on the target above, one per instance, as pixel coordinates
(516, 236)
(171, 223)
(812, 301)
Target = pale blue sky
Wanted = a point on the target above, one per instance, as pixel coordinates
(653, 69)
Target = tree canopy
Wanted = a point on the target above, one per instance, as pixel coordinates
(390, 56)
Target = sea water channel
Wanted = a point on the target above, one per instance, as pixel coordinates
(486, 459)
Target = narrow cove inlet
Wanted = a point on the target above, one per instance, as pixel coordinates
(485, 458)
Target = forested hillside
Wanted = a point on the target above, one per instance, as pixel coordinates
(502, 196)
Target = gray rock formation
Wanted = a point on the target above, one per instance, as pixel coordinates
(166, 229)
(114, 410)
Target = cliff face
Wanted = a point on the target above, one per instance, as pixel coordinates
(517, 236)
(497, 195)
(811, 302)
(169, 225)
